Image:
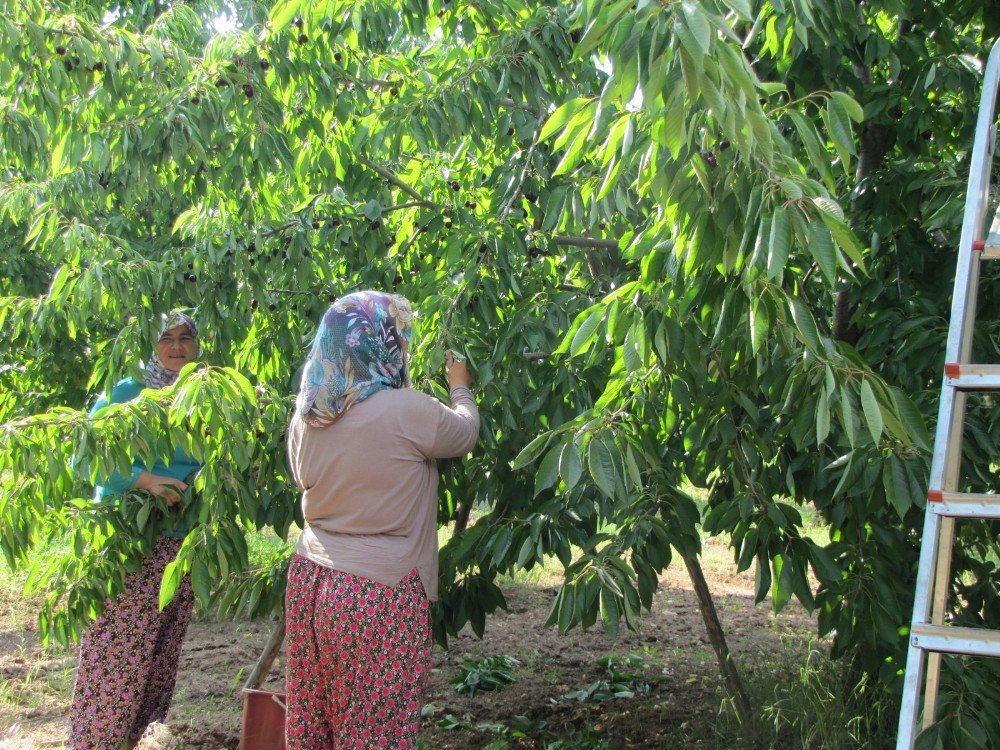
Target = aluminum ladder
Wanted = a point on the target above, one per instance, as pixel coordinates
(930, 637)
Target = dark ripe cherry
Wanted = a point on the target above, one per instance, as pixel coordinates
(376, 224)
(248, 91)
(61, 49)
(315, 225)
(264, 65)
(303, 38)
(337, 56)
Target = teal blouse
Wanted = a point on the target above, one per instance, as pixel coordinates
(180, 466)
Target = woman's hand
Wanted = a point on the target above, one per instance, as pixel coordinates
(455, 371)
(168, 488)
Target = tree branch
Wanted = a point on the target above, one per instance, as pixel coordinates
(524, 172)
(397, 182)
(562, 239)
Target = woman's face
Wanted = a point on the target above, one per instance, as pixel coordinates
(176, 347)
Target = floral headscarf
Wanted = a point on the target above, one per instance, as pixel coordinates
(155, 373)
(360, 348)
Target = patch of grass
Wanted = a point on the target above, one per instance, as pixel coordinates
(44, 683)
(262, 546)
(803, 702)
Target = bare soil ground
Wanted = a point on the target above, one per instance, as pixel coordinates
(676, 705)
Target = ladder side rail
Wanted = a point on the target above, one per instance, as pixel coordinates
(939, 602)
(915, 657)
(973, 220)
(945, 467)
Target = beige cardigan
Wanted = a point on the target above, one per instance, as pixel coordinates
(369, 482)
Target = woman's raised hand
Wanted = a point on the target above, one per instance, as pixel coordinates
(455, 370)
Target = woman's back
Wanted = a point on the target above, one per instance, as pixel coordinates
(369, 482)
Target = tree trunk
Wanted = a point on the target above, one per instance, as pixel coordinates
(734, 683)
(267, 657)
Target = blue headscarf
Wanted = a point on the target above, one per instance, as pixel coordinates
(360, 348)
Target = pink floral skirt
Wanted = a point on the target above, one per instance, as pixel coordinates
(129, 657)
(359, 655)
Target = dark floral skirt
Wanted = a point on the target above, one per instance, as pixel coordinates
(129, 657)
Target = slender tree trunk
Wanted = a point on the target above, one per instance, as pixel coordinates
(271, 650)
(462, 516)
(734, 683)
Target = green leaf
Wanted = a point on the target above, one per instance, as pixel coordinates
(762, 579)
(896, 486)
(805, 324)
(531, 451)
(742, 7)
(872, 412)
(779, 243)
(548, 470)
(200, 582)
(610, 616)
(282, 14)
(570, 465)
(697, 23)
(173, 574)
(601, 466)
(587, 331)
(838, 126)
(560, 117)
(823, 251)
(760, 324)
(822, 417)
(851, 107)
(781, 592)
(846, 239)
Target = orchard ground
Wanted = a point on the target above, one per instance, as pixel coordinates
(561, 696)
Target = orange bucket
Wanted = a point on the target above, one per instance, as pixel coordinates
(263, 725)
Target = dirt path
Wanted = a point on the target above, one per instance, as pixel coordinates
(673, 671)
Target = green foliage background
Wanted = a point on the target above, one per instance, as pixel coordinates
(702, 242)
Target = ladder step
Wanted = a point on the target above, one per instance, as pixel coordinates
(953, 640)
(966, 377)
(963, 504)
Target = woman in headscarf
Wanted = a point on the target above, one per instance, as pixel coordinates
(129, 655)
(361, 446)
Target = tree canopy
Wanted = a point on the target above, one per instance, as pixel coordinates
(703, 242)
